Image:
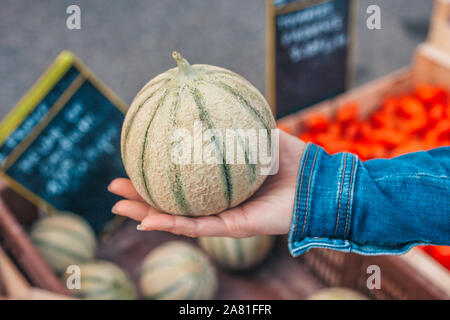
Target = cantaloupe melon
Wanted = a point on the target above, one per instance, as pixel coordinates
(337, 293)
(195, 99)
(63, 240)
(237, 254)
(177, 270)
(103, 280)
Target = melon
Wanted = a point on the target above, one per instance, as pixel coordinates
(237, 254)
(103, 280)
(177, 270)
(214, 174)
(337, 293)
(64, 239)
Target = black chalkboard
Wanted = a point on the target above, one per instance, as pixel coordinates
(312, 48)
(60, 147)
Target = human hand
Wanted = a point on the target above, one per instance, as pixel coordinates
(267, 212)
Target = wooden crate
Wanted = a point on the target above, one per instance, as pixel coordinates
(279, 277)
(414, 275)
(431, 65)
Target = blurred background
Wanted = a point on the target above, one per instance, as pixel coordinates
(126, 43)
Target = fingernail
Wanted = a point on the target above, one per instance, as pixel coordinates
(140, 227)
(109, 187)
(114, 210)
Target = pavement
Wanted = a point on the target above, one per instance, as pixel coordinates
(126, 43)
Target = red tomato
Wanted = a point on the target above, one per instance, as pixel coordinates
(322, 139)
(335, 130)
(365, 132)
(389, 138)
(430, 94)
(436, 112)
(379, 119)
(336, 145)
(348, 113)
(410, 107)
(362, 150)
(414, 125)
(306, 137)
(389, 106)
(438, 134)
(411, 146)
(377, 150)
(425, 248)
(350, 131)
(441, 254)
(317, 122)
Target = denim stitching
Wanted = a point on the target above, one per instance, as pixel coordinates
(351, 247)
(299, 193)
(340, 194)
(349, 195)
(307, 194)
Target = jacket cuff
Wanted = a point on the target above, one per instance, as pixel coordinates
(323, 201)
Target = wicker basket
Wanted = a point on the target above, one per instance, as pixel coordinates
(412, 276)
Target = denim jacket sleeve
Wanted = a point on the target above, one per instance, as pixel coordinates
(381, 206)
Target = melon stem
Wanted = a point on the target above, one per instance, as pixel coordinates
(184, 67)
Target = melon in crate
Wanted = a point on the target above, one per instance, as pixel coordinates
(337, 293)
(170, 152)
(63, 240)
(101, 280)
(177, 270)
(237, 254)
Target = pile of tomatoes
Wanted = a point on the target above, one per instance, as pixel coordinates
(418, 120)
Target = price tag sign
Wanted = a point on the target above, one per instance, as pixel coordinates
(60, 145)
(309, 51)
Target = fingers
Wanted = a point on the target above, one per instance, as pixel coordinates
(124, 188)
(174, 224)
(136, 210)
(230, 223)
(225, 224)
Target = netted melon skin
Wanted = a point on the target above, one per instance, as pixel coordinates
(212, 97)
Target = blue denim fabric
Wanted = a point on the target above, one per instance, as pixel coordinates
(381, 206)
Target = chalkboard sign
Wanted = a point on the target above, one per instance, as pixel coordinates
(309, 51)
(60, 146)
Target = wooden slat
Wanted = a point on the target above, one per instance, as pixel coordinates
(439, 35)
(432, 271)
(24, 252)
(369, 97)
(13, 281)
(270, 56)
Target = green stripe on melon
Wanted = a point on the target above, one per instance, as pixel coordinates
(179, 98)
(177, 270)
(174, 170)
(237, 254)
(64, 240)
(103, 280)
(143, 158)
